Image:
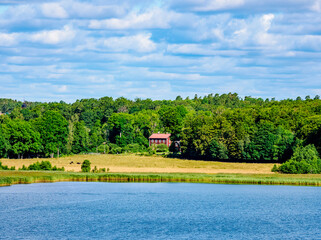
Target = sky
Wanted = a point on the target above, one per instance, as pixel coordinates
(159, 49)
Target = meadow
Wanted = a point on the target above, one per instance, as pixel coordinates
(130, 163)
(133, 168)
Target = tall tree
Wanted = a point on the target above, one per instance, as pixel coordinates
(23, 138)
(53, 128)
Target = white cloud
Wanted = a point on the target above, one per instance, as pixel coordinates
(139, 43)
(87, 10)
(266, 21)
(54, 36)
(215, 5)
(7, 40)
(53, 10)
(153, 18)
(316, 6)
(61, 89)
(206, 5)
(100, 79)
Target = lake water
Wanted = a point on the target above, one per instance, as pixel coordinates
(74, 210)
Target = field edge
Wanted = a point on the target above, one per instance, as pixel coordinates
(8, 178)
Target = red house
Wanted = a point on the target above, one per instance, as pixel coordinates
(160, 138)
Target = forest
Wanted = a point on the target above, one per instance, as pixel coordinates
(214, 127)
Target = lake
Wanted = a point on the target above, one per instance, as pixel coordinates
(81, 210)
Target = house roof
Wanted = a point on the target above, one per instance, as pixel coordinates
(160, 135)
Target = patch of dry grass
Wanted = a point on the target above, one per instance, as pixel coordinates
(153, 164)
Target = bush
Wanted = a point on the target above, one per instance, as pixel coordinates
(304, 160)
(134, 148)
(23, 167)
(95, 170)
(85, 166)
(151, 150)
(3, 167)
(43, 166)
(103, 148)
(115, 149)
(275, 168)
(162, 148)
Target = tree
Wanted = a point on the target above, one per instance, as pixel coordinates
(199, 130)
(173, 120)
(304, 160)
(53, 128)
(218, 151)
(96, 135)
(22, 137)
(4, 144)
(262, 146)
(121, 129)
(85, 166)
(80, 138)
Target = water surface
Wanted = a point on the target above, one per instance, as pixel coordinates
(74, 210)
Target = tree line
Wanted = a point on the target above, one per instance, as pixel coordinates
(213, 127)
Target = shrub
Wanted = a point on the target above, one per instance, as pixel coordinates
(133, 148)
(43, 166)
(34, 166)
(304, 160)
(115, 149)
(161, 148)
(58, 169)
(275, 168)
(4, 167)
(23, 167)
(103, 148)
(85, 166)
(95, 170)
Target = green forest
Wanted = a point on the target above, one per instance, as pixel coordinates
(214, 127)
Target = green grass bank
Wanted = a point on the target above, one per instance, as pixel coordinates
(8, 178)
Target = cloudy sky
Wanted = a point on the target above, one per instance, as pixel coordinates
(73, 49)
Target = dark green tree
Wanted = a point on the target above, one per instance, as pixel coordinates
(304, 160)
(85, 166)
(217, 151)
(80, 142)
(53, 128)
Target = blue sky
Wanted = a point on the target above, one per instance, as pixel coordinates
(73, 49)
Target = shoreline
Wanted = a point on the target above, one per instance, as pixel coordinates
(8, 178)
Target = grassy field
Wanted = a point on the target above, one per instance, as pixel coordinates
(153, 164)
(132, 168)
(21, 177)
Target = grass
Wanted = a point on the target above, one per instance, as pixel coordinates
(155, 164)
(132, 168)
(22, 177)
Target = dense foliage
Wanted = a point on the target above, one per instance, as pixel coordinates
(85, 166)
(42, 166)
(304, 160)
(213, 127)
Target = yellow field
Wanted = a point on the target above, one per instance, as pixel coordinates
(143, 164)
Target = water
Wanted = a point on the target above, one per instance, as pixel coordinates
(73, 210)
